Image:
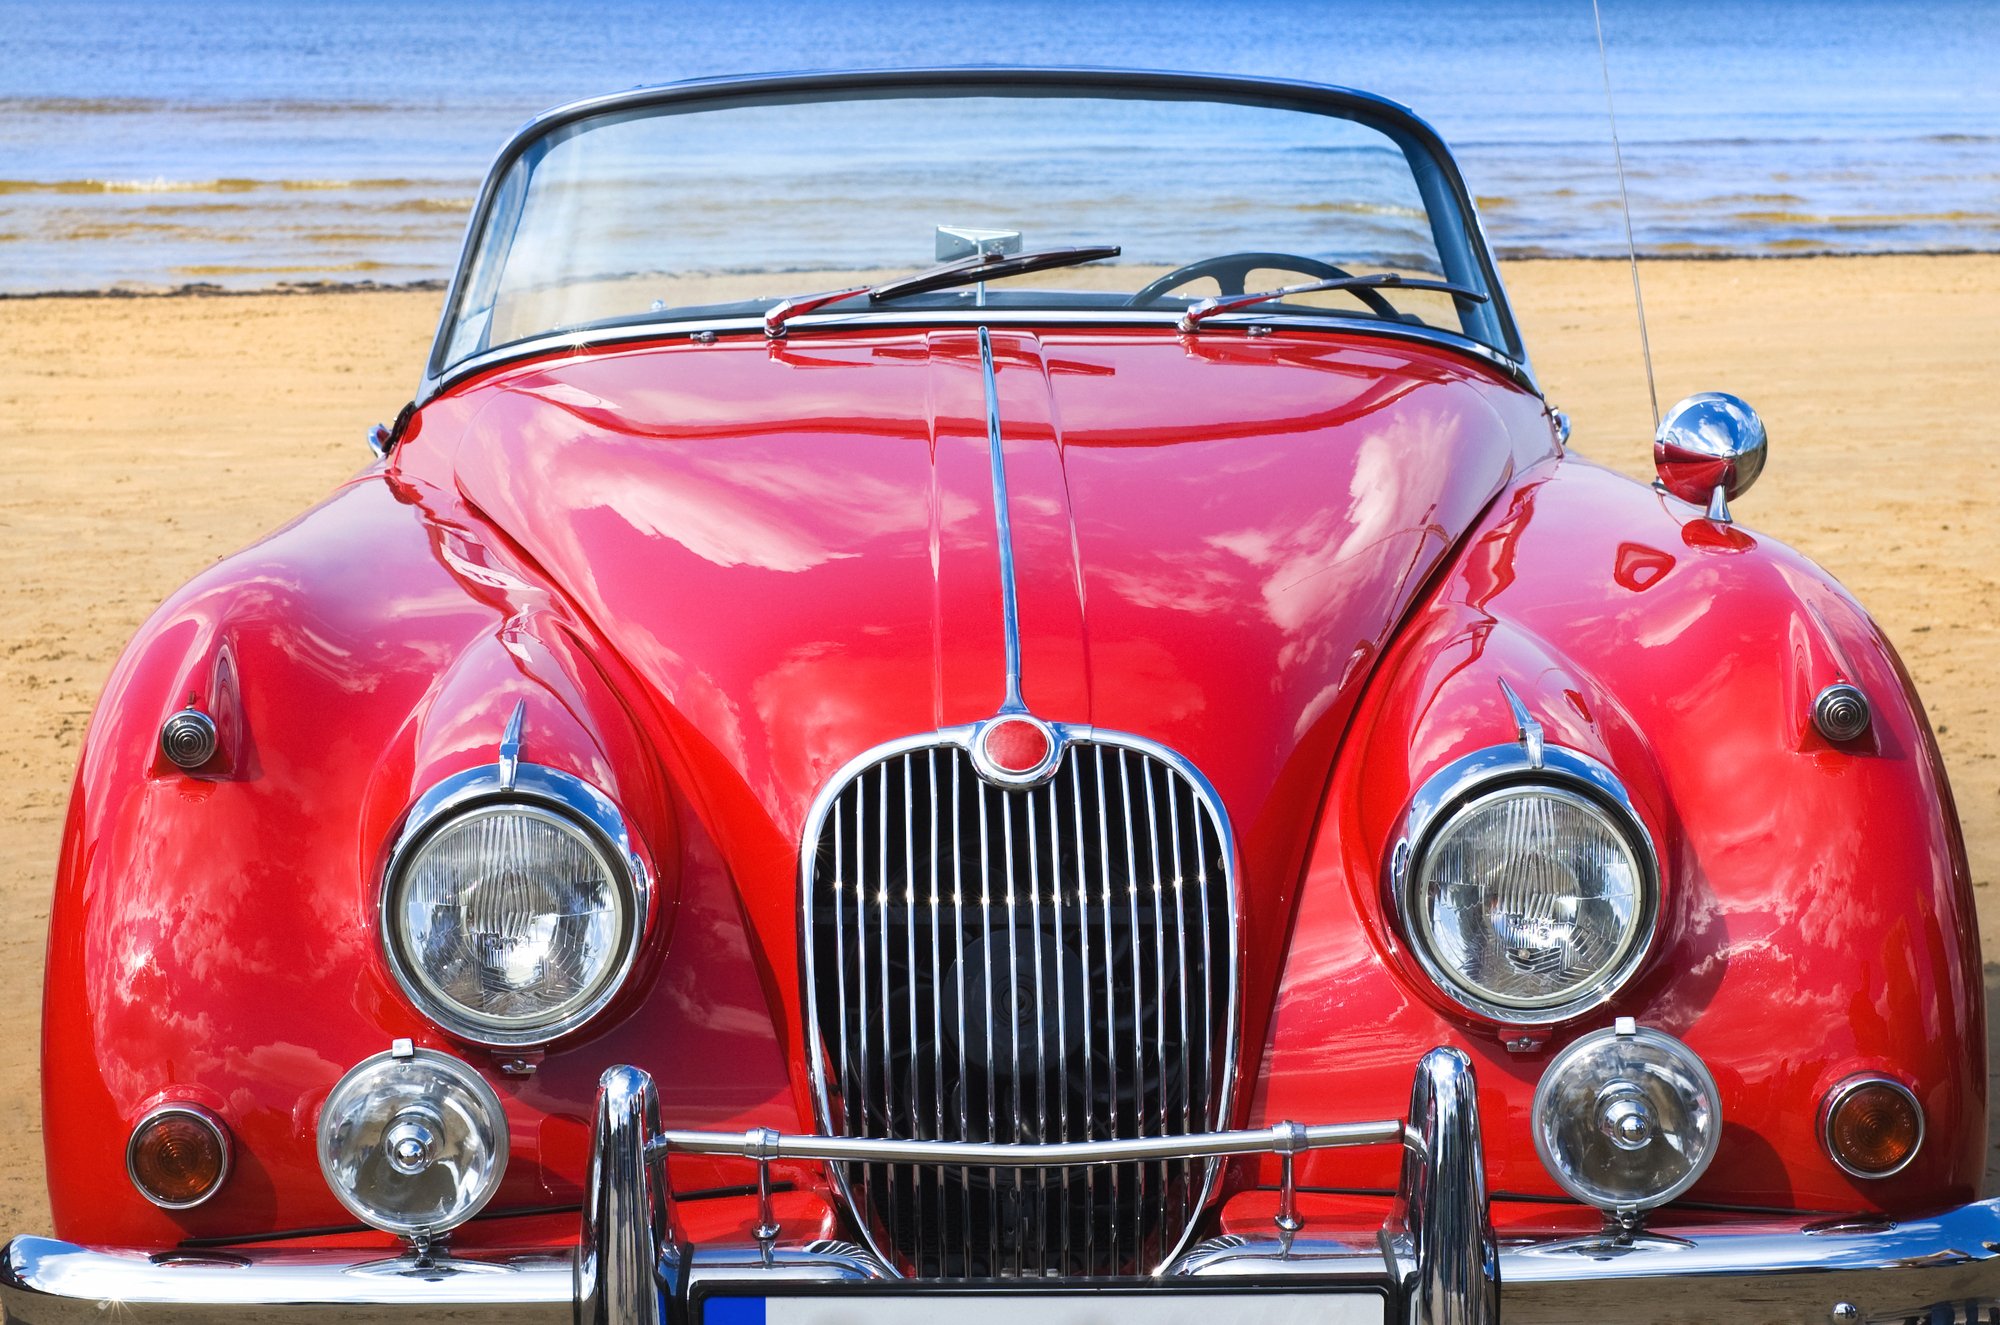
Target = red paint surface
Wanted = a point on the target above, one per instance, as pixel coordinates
(716, 574)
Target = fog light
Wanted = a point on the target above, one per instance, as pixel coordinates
(1872, 1126)
(178, 1155)
(1626, 1119)
(413, 1142)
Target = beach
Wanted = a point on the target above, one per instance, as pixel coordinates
(144, 437)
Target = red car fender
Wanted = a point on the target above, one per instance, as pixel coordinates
(1817, 918)
(215, 937)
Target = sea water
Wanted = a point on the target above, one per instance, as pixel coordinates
(247, 144)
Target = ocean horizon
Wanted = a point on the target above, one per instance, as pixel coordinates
(249, 145)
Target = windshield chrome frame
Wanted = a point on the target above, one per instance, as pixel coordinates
(1397, 122)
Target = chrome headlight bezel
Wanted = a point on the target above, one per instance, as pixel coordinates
(1457, 786)
(547, 791)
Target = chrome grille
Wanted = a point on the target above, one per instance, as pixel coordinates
(1046, 964)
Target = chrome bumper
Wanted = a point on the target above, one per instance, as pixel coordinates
(1436, 1259)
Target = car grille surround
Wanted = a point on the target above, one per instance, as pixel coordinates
(1022, 964)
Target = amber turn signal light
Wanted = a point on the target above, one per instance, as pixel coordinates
(178, 1156)
(1872, 1126)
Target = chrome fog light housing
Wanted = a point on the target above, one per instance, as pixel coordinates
(413, 1142)
(1527, 884)
(1626, 1119)
(512, 910)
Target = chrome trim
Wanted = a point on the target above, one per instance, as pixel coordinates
(1437, 1245)
(1067, 735)
(778, 314)
(1203, 309)
(1526, 728)
(1235, 1256)
(1841, 712)
(188, 738)
(984, 765)
(629, 1249)
(1277, 1139)
(1707, 436)
(379, 439)
(1010, 612)
(44, 1281)
(1624, 1214)
(508, 766)
(422, 1236)
(521, 784)
(828, 1260)
(705, 330)
(1492, 768)
(1838, 1095)
(1397, 121)
(200, 1114)
(1938, 1268)
(1941, 1268)
(1452, 1272)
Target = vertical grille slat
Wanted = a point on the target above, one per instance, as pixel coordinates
(1089, 1128)
(1110, 964)
(1040, 1072)
(1159, 1010)
(864, 1117)
(887, 1116)
(1134, 945)
(910, 927)
(1181, 959)
(1027, 965)
(958, 916)
(1062, 1016)
(1207, 955)
(937, 984)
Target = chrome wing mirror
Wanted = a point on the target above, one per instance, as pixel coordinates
(1709, 450)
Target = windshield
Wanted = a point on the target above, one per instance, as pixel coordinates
(720, 209)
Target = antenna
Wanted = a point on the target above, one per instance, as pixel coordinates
(1625, 200)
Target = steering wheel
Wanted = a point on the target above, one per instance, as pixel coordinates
(1231, 270)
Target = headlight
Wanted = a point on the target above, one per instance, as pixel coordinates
(1626, 1119)
(510, 922)
(1528, 900)
(413, 1143)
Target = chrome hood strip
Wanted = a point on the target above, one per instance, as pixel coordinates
(1009, 607)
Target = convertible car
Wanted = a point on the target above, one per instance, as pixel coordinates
(995, 692)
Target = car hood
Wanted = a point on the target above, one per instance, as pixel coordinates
(792, 550)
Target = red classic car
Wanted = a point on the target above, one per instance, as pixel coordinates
(1124, 775)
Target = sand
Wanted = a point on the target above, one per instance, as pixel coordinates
(140, 439)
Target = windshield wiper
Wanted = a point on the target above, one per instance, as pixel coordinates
(990, 267)
(968, 270)
(1198, 313)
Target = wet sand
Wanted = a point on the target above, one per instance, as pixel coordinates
(140, 439)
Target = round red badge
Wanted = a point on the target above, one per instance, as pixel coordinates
(1015, 745)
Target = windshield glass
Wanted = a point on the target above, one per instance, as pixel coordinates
(691, 211)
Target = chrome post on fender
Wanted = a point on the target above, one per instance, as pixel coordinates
(629, 1254)
(1441, 1221)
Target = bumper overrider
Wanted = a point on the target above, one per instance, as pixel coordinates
(1434, 1262)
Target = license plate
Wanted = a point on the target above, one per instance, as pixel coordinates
(1333, 1306)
